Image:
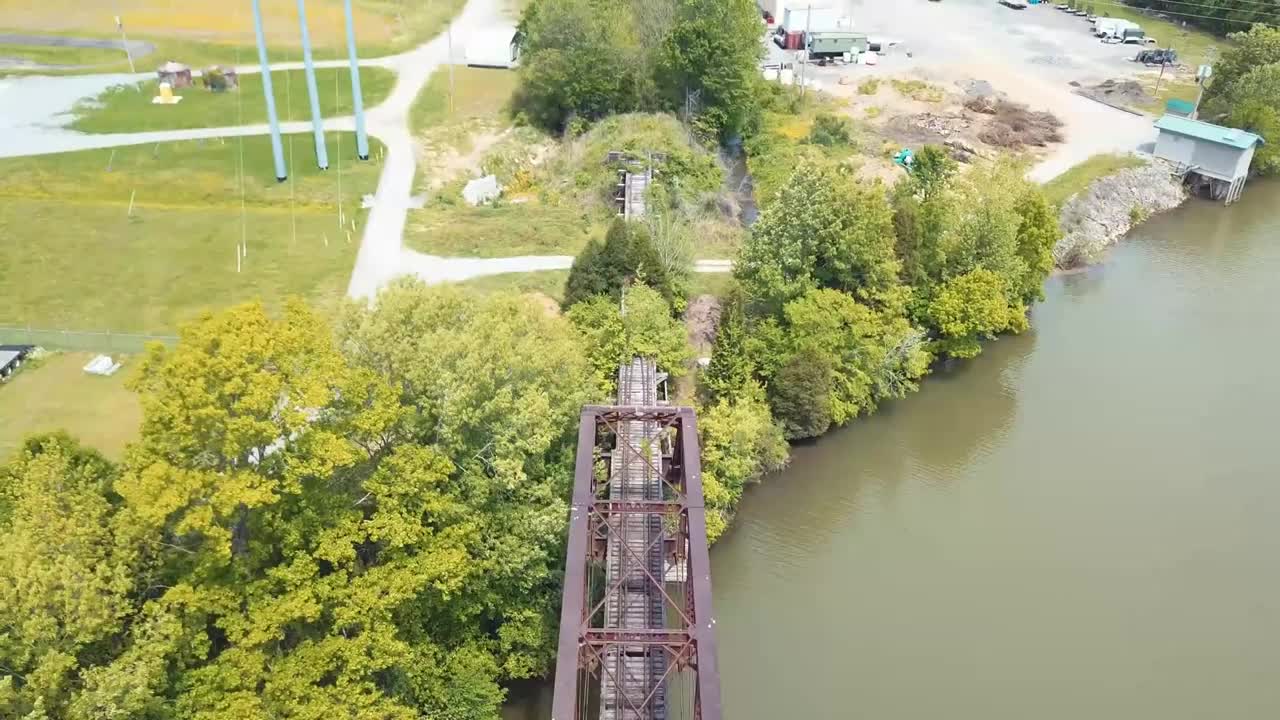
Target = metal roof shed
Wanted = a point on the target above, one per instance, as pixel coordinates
(1219, 156)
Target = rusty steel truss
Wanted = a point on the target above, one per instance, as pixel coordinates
(643, 552)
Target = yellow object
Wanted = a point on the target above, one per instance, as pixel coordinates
(166, 96)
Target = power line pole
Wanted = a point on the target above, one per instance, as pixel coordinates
(449, 34)
(804, 50)
(124, 40)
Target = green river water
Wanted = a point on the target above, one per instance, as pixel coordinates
(1084, 522)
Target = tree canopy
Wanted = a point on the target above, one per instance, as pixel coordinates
(848, 291)
(604, 269)
(362, 521)
(592, 58)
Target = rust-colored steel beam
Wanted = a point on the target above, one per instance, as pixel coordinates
(584, 640)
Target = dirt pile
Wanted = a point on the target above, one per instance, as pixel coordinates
(1014, 125)
(1118, 92)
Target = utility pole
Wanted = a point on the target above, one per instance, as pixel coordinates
(804, 50)
(449, 35)
(124, 40)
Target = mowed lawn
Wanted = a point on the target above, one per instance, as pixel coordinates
(202, 32)
(74, 258)
(128, 108)
(58, 395)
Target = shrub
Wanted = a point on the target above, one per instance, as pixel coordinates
(830, 130)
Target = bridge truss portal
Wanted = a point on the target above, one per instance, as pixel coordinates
(637, 638)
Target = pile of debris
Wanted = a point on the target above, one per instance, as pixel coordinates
(938, 124)
(1014, 125)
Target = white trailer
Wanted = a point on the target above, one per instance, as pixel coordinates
(824, 19)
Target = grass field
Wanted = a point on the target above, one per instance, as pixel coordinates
(200, 32)
(75, 259)
(1060, 189)
(500, 231)
(546, 282)
(128, 108)
(478, 93)
(58, 395)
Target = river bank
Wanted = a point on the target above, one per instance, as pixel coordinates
(1111, 207)
(958, 555)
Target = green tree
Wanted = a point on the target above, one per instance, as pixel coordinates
(1252, 103)
(1248, 51)
(363, 524)
(581, 59)
(613, 336)
(712, 53)
(869, 352)
(68, 574)
(820, 232)
(971, 307)
(800, 395)
(740, 443)
(1038, 232)
(627, 254)
(731, 369)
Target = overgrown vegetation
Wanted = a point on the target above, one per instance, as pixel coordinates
(1219, 16)
(587, 59)
(556, 199)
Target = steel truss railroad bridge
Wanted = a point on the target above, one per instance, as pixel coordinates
(637, 634)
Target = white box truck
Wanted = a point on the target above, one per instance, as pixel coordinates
(824, 19)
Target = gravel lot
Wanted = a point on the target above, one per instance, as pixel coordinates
(1030, 55)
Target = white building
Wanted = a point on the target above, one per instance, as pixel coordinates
(1218, 156)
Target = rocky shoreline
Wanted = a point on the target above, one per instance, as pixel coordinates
(1098, 217)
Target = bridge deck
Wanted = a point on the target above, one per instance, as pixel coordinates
(631, 687)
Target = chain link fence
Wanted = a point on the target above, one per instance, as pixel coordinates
(92, 341)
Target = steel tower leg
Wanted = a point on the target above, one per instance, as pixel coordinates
(357, 99)
(317, 122)
(277, 147)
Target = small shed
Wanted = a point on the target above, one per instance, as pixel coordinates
(1210, 156)
(497, 47)
(174, 73)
